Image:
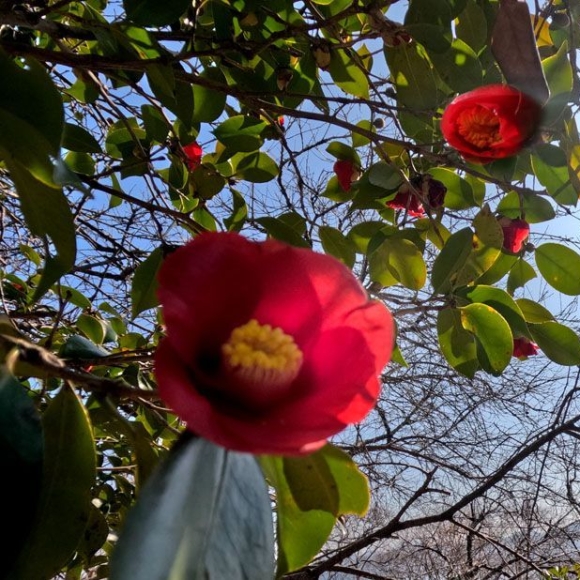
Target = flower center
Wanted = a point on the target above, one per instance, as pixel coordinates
(479, 126)
(260, 356)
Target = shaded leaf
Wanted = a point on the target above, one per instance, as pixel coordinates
(144, 287)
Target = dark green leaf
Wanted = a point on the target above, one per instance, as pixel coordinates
(451, 260)
(77, 138)
(144, 287)
(520, 274)
(279, 230)
(241, 133)
(65, 500)
(21, 450)
(153, 12)
(205, 513)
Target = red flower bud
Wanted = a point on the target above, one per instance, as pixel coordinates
(515, 233)
(346, 172)
(193, 153)
(490, 122)
(276, 364)
(523, 348)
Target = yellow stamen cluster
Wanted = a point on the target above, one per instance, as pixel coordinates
(479, 126)
(259, 354)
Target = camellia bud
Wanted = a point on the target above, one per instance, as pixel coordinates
(193, 153)
(515, 234)
(523, 348)
(346, 172)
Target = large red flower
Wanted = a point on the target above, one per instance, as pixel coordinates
(269, 348)
(490, 122)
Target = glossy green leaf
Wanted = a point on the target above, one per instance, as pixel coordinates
(144, 287)
(47, 213)
(21, 451)
(471, 26)
(533, 312)
(558, 342)
(493, 335)
(451, 260)
(458, 67)
(208, 104)
(256, 168)
(77, 138)
(398, 260)
(241, 133)
(413, 77)
(81, 163)
(154, 13)
(31, 117)
(500, 301)
(359, 140)
(560, 267)
(206, 182)
(551, 168)
(280, 230)
(239, 212)
(347, 73)
(535, 208)
(460, 194)
(205, 513)
(65, 500)
(337, 244)
(386, 176)
(92, 327)
(311, 483)
(156, 126)
(558, 71)
(486, 248)
(457, 344)
(520, 274)
(343, 151)
(79, 347)
(504, 264)
(360, 234)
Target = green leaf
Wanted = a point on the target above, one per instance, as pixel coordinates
(361, 234)
(500, 301)
(241, 133)
(560, 267)
(144, 287)
(533, 312)
(459, 67)
(558, 342)
(31, 117)
(76, 138)
(208, 104)
(153, 12)
(460, 194)
(256, 168)
(520, 274)
(550, 166)
(457, 344)
(359, 140)
(413, 77)
(47, 213)
(79, 347)
(535, 208)
(21, 450)
(493, 335)
(504, 264)
(311, 483)
(471, 26)
(156, 126)
(65, 500)
(239, 213)
(92, 327)
(205, 513)
(300, 534)
(81, 163)
(385, 176)
(343, 151)
(337, 244)
(398, 260)
(280, 230)
(558, 71)
(347, 72)
(451, 260)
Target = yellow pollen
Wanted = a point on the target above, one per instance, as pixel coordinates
(259, 354)
(479, 126)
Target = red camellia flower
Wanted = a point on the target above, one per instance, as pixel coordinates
(407, 201)
(490, 122)
(193, 153)
(515, 234)
(523, 348)
(269, 348)
(346, 172)
(431, 190)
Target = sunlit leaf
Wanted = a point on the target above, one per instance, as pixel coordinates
(560, 267)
